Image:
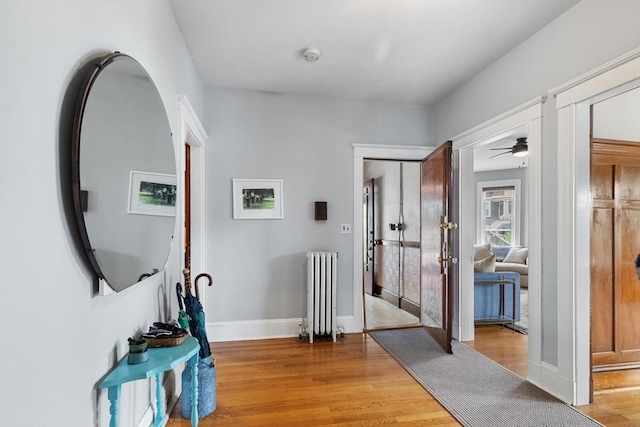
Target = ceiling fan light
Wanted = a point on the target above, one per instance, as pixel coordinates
(520, 151)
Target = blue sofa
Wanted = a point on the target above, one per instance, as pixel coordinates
(487, 297)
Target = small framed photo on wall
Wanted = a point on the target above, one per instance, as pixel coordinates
(257, 199)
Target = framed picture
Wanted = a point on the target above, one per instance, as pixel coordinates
(152, 193)
(257, 199)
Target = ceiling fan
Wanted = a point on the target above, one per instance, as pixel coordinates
(520, 149)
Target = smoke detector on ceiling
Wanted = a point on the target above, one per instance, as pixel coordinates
(311, 54)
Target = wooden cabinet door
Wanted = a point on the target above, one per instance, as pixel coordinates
(615, 244)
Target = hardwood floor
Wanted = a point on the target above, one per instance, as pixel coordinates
(503, 346)
(283, 382)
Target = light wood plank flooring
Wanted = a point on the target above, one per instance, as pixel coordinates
(283, 382)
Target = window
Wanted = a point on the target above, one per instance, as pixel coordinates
(498, 212)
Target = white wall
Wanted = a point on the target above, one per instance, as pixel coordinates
(618, 117)
(590, 34)
(586, 36)
(259, 265)
(58, 338)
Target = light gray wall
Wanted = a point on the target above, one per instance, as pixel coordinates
(259, 265)
(59, 339)
(585, 37)
(588, 35)
(618, 117)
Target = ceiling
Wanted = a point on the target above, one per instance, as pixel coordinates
(483, 153)
(406, 51)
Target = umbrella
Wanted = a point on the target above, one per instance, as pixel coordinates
(196, 315)
(183, 320)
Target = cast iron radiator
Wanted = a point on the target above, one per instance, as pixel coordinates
(322, 277)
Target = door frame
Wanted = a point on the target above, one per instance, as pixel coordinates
(191, 132)
(528, 114)
(360, 153)
(573, 104)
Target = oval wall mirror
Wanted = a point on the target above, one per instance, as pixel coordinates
(123, 172)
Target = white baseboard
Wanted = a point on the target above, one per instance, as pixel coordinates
(147, 418)
(171, 389)
(556, 385)
(174, 397)
(264, 329)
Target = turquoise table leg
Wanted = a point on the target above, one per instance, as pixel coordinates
(159, 407)
(193, 364)
(114, 397)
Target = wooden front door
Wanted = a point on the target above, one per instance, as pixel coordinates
(436, 254)
(615, 245)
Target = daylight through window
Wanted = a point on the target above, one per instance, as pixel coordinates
(499, 213)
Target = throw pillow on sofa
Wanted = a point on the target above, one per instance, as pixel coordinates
(481, 252)
(517, 255)
(487, 265)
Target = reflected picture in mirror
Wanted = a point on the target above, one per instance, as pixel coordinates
(124, 162)
(152, 194)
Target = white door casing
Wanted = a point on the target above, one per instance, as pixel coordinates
(191, 132)
(528, 114)
(573, 103)
(360, 153)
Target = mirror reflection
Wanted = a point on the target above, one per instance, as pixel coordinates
(125, 188)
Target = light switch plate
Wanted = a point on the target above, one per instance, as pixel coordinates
(346, 228)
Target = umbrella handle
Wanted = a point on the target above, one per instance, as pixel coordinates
(187, 279)
(208, 276)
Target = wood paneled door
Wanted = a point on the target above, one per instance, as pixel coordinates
(615, 244)
(436, 256)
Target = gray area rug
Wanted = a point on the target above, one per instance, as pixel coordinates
(477, 391)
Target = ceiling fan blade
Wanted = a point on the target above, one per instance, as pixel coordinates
(506, 152)
(510, 148)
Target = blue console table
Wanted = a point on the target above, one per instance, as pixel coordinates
(160, 360)
(496, 297)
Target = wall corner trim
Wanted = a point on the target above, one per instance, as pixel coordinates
(623, 59)
(186, 111)
(535, 102)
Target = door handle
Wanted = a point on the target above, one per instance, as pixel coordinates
(449, 259)
(444, 262)
(449, 225)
